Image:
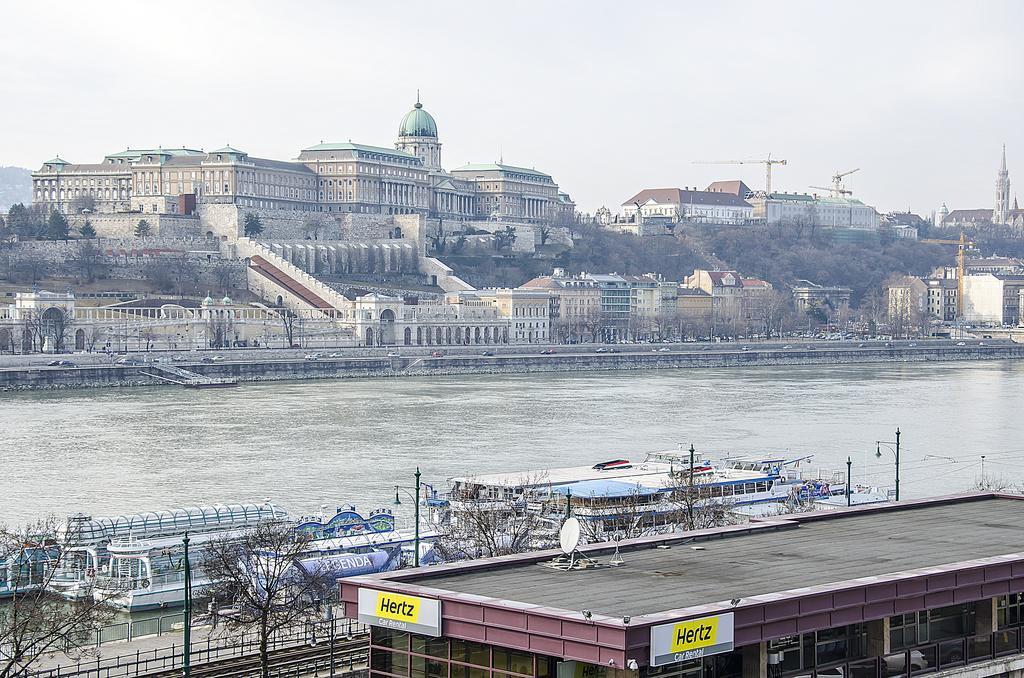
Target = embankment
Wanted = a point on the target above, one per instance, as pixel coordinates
(254, 370)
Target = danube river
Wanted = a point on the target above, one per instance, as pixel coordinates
(306, 444)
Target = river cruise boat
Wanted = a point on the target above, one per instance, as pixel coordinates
(137, 562)
(619, 498)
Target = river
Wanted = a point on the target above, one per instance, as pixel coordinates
(305, 444)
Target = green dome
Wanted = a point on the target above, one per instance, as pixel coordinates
(418, 123)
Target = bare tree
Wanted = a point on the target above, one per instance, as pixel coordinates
(696, 504)
(291, 322)
(94, 335)
(28, 267)
(438, 238)
(88, 260)
(270, 575)
(226, 275)
(38, 619)
(480, 526)
(313, 226)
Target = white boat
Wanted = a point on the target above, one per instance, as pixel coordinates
(619, 498)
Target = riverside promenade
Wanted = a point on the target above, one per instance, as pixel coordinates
(247, 365)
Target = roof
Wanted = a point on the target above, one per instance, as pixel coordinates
(360, 148)
(569, 475)
(228, 149)
(57, 161)
(969, 215)
(848, 546)
(418, 123)
(736, 187)
(498, 167)
(797, 197)
(590, 489)
(680, 196)
(136, 152)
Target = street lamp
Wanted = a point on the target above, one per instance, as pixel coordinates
(416, 502)
(187, 649)
(887, 444)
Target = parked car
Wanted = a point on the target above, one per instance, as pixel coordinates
(787, 346)
(394, 354)
(664, 349)
(437, 354)
(129, 361)
(487, 354)
(218, 358)
(602, 349)
(334, 355)
(961, 343)
(178, 359)
(206, 359)
(313, 356)
(61, 363)
(548, 351)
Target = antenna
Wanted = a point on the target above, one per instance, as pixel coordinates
(569, 535)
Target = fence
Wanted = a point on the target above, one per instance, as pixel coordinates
(142, 662)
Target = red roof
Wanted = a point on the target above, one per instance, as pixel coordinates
(680, 196)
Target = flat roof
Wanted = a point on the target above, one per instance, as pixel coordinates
(793, 553)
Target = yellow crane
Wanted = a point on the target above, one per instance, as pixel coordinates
(767, 162)
(962, 245)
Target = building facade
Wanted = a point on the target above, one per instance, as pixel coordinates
(326, 177)
(813, 210)
(734, 299)
(992, 298)
(686, 204)
(808, 295)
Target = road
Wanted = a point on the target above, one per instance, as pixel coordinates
(245, 356)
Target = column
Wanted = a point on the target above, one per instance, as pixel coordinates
(755, 660)
(878, 637)
(985, 617)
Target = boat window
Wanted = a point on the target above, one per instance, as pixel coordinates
(727, 490)
(762, 486)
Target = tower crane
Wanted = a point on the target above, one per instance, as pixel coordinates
(961, 268)
(767, 162)
(837, 184)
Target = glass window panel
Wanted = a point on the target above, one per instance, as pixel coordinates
(395, 663)
(463, 671)
(396, 640)
(516, 662)
(951, 653)
(468, 652)
(435, 647)
(427, 667)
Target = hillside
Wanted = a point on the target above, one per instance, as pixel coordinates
(15, 187)
(777, 256)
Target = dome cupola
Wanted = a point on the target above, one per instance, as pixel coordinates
(418, 123)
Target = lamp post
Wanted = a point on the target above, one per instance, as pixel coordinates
(878, 453)
(187, 644)
(849, 468)
(416, 502)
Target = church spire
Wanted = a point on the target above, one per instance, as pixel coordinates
(1001, 213)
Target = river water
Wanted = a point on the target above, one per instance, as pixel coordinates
(305, 444)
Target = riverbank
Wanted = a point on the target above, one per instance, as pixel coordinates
(565, 359)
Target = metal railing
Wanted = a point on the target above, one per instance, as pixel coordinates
(143, 662)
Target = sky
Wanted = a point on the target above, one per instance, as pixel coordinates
(607, 97)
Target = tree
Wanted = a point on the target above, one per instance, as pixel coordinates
(87, 230)
(172, 274)
(771, 310)
(88, 260)
(83, 204)
(484, 527)
(142, 229)
(37, 619)
(26, 266)
(253, 225)
(57, 227)
(269, 575)
(226, 275)
(291, 322)
(23, 221)
(695, 504)
(438, 238)
(313, 226)
(544, 232)
(505, 238)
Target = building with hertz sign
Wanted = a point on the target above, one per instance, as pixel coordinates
(921, 587)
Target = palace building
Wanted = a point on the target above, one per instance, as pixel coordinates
(326, 177)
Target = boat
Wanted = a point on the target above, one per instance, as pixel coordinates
(136, 561)
(617, 498)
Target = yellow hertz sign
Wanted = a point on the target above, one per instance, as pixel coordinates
(691, 639)
(398, 607)
(693, 635)
(400, 611)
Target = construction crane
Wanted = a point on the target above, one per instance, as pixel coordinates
(837, 184)
(767, 162)
(962, 245)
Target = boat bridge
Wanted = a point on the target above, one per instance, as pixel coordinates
(177, 375)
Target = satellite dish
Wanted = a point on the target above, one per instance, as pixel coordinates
(569, 535)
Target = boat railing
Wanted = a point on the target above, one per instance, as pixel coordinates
(135, 582)
(830, 476)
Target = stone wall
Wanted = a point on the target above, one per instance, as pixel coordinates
(129, 258)
(123, 224)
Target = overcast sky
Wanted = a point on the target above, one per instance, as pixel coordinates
(608, 97)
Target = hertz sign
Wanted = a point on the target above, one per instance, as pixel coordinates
(691, 639)
(401, 612)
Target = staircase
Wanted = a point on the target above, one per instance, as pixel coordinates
(271, 276)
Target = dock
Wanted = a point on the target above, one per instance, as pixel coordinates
(182, 377)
